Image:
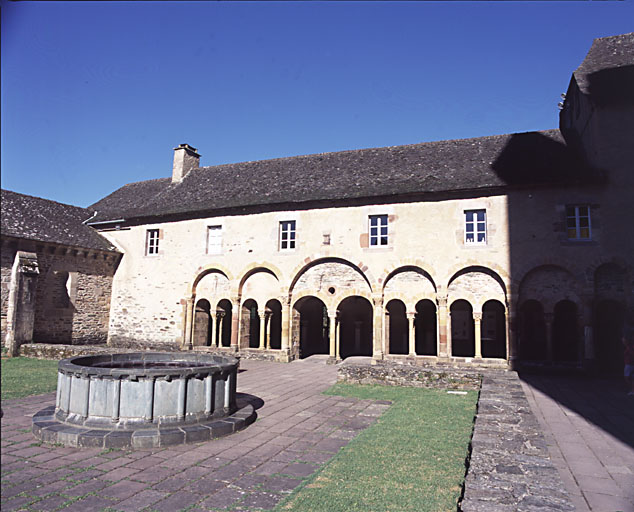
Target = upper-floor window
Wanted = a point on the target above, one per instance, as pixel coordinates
(214, 239)
(578, 225)
(287, 235)
(378, 230)
(151, 241)
(475, 231)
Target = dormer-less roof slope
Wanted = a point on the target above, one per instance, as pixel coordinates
(34, 218)
(477, 164)
(607, 72)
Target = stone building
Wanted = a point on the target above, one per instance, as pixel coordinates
(56, 274)
(484, 251)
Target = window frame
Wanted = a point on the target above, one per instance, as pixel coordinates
(475, 228)
(576, 216)
(378, 238)
(152, 237)
(287, 234)
(217, 249)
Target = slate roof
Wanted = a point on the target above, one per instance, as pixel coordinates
(605, 53)
(39, 219)
(430, 168)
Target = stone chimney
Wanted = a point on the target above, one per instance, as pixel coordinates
(185, 159)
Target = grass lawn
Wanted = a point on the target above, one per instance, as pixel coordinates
(22, 376)
(412, 459)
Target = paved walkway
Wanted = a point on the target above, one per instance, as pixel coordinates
(589, 429)
(297, 431)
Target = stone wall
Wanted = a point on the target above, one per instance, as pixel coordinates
(72, 292)
(6, 262)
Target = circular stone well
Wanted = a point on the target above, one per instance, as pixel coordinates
(143, 400)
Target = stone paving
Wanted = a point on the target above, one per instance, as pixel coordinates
(588, 425)
(297, 431)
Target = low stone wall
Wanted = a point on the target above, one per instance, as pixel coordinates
(58, 351)
(510, 467)
(395, 374)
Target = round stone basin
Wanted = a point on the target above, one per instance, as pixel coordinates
(146, 394)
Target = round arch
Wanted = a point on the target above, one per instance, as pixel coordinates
(300, 270)
(205, 271)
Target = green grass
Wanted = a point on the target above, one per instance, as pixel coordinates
(22, 376)
(412, 459)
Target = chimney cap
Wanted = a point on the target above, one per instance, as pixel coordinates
(187, 147)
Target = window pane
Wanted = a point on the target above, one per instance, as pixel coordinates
(583, 222)
(469, 216)
(470, 237)
(481, 226)
(570, 211)
(383, 240)
(373, 231)
(481, 215)
(572, 233)
(384, 230)
(480, 237)
(374, 221)
(571, 222)
(291, 244)
(583, 210)
(585, 233)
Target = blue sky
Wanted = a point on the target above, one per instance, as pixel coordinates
(96, 94)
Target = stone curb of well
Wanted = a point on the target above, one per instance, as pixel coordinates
(509, 468)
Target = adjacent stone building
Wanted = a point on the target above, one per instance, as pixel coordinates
(484, 251)
(56, 274)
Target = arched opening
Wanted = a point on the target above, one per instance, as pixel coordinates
(609, 319)
(310, 322)
(223, 329)
(274, 323)
(565, 332)
(462, 329)
(493, 329)
(202, 324)
(250, 325)
(425, 327)
(398, 329)
(533, 343)
(355, 327)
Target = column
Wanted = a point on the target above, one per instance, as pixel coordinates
(189, 321)
(477, 320)
(235, 323)
(332, 332)
(212, 325)
(337, 340)
(286, 319)
(548, 320)
(411, 333)
(262, 339)
(220, 315)
(386, 332)
(377, 337)
(444, 328)
(267, 339)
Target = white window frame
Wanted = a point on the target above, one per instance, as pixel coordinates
(474, 226)
(214, 233)
(574, 221)
(152, 237)
(378, 230)
(287, 235)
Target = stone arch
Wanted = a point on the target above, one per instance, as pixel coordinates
(274, 324)
(258, 267)
(493, 329)
(212, 284)
(409, 283)
(260, 284)
(332, 276)
(397, 327)
(549, 284)
(532, 331)
(330, 301)
(310, 326)
(205, 271)
(462, 329)
(202, 334)
(476, 285)
(355, 326)
(225, 312)
(426, 328)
